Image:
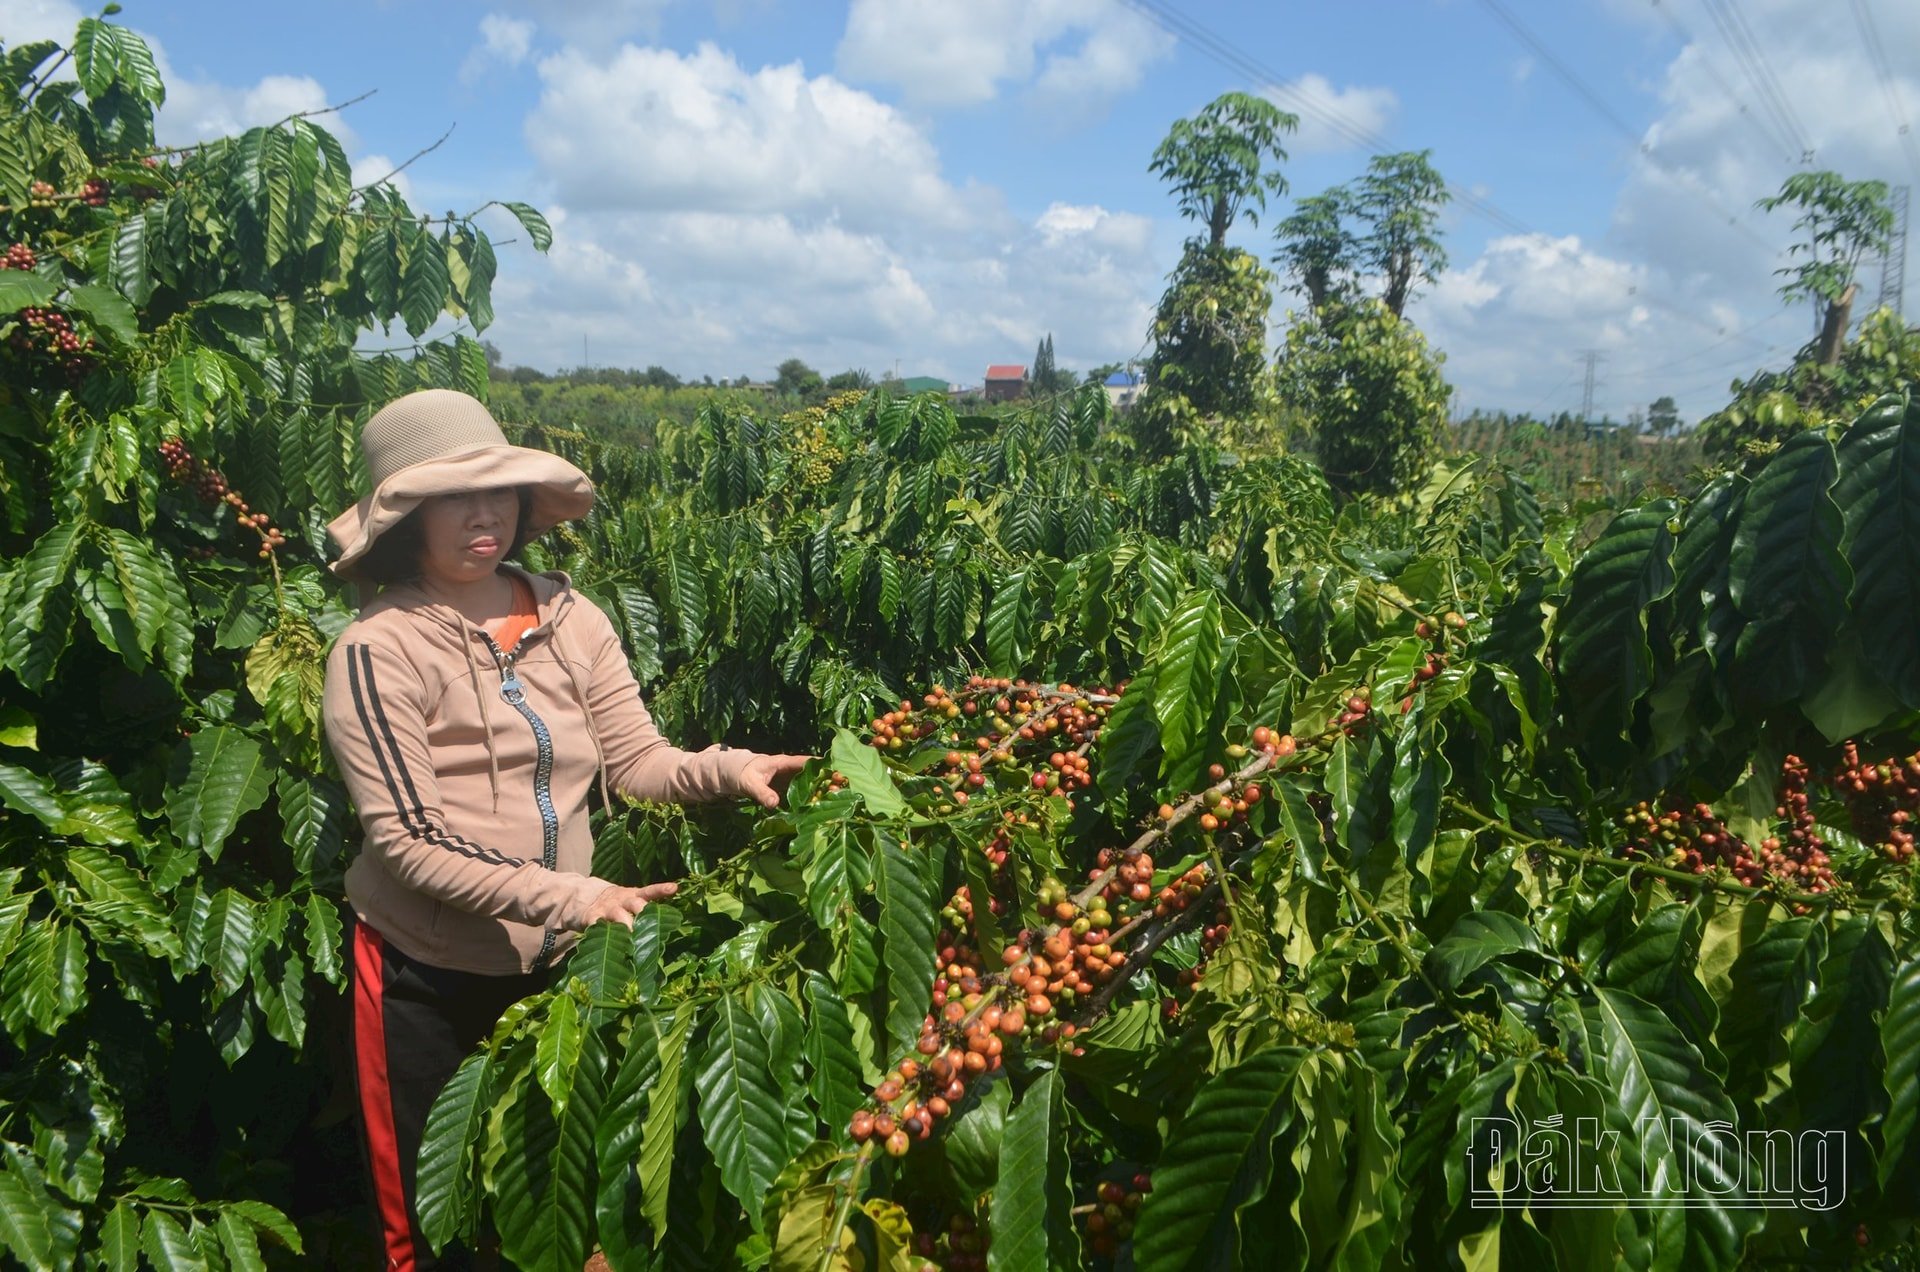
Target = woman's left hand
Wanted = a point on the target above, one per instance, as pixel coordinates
(764, 779)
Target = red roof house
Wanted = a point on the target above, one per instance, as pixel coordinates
(1005, 382)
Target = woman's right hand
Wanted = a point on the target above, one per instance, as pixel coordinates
(619, 905)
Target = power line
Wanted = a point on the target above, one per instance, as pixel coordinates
(1718, 384)
(1778, 89)
(1357, 135)
(1772, 138)
(1565, 72)
(1354, 134)
(1594, 99)
(1883, 70)
(1702, 351)
(1193, 32)
(1548, 395)
(1746, 53)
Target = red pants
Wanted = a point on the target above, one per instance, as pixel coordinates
(412, 1026)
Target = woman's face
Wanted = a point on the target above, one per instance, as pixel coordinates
(465, 536)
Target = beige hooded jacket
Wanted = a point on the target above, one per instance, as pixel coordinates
(471, 769)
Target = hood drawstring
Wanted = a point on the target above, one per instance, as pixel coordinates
(486, 716)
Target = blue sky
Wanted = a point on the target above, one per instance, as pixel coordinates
(734, 182)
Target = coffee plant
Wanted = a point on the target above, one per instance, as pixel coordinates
(1198, 870)
(181, 367)
(1269, 853)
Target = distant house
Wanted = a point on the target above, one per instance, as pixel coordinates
(924, 384)
(1123, 389)
(1005, 382)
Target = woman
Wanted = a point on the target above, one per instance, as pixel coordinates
(471, 707)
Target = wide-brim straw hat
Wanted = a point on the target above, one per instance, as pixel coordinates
(441, 442)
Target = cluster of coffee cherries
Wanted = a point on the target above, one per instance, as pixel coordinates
(814, 454)
(1001, 713)
(1687, 837)
(19, 256)
(1801, 853)
(1067, 960)
(210, 485)
(957, 914)
(996, 848)
(1109, 1219)
(999, 733)
(94, 193)
(1031, 712)
(1065, 771)
(1178, 895)
(1229, 808)
(895, 729)
(961, 1246)
(1433, 665)
(1450, 622)
(963, 1037)
(1355, 713)
(49, 333)
(1131, 880)
(1882, 799)
(1212, 937)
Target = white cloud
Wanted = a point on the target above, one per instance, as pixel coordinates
(1679, 294)
(504, 41)
(1077, 54)
(758, 214)
(594, 24)
(735, 292)
(653, 129)
(1516, 321)
(199, 110)
(370, 168)
(195, 110)
(24, 21)
(1329, 116)
(1094, 226)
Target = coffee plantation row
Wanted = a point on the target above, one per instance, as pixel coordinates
(1198, 870)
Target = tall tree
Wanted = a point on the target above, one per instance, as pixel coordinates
(796, 378)
(1209, 368)
(1663, 418)
(1209, 364)
(1041, 378)
(1400, 198)
(1843, 222)
(1317, 249)
(1373, 392)
(1218, 161)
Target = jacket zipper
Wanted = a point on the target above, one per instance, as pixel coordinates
(515, 696)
